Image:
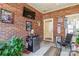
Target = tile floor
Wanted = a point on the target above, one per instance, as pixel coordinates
(65, 51)
(49, 49)
(44, 47)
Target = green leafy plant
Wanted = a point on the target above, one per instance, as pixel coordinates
(77, 40)
(13, 47)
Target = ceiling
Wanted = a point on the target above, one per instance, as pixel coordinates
(48, 7)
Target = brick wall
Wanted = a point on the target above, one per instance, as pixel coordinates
(19, 26)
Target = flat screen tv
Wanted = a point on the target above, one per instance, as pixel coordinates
(28, 13)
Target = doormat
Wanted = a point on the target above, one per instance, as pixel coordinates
(26, 51)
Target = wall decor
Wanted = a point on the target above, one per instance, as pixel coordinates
(59, 25)
(60, 19)
(59, 28)
(6, 16)
(28, 25)
(39, 23)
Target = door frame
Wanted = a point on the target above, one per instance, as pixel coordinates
(44, 29)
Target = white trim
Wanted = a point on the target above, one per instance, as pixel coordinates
(44, 29)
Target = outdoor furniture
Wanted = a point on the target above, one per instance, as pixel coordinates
(67, 41)
(58, 39)
(74, 48)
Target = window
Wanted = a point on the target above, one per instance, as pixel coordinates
(77, 25)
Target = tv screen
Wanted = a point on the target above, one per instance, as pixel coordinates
(28, 13)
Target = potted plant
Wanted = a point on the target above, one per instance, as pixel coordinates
(77, 41)
(13, 47)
